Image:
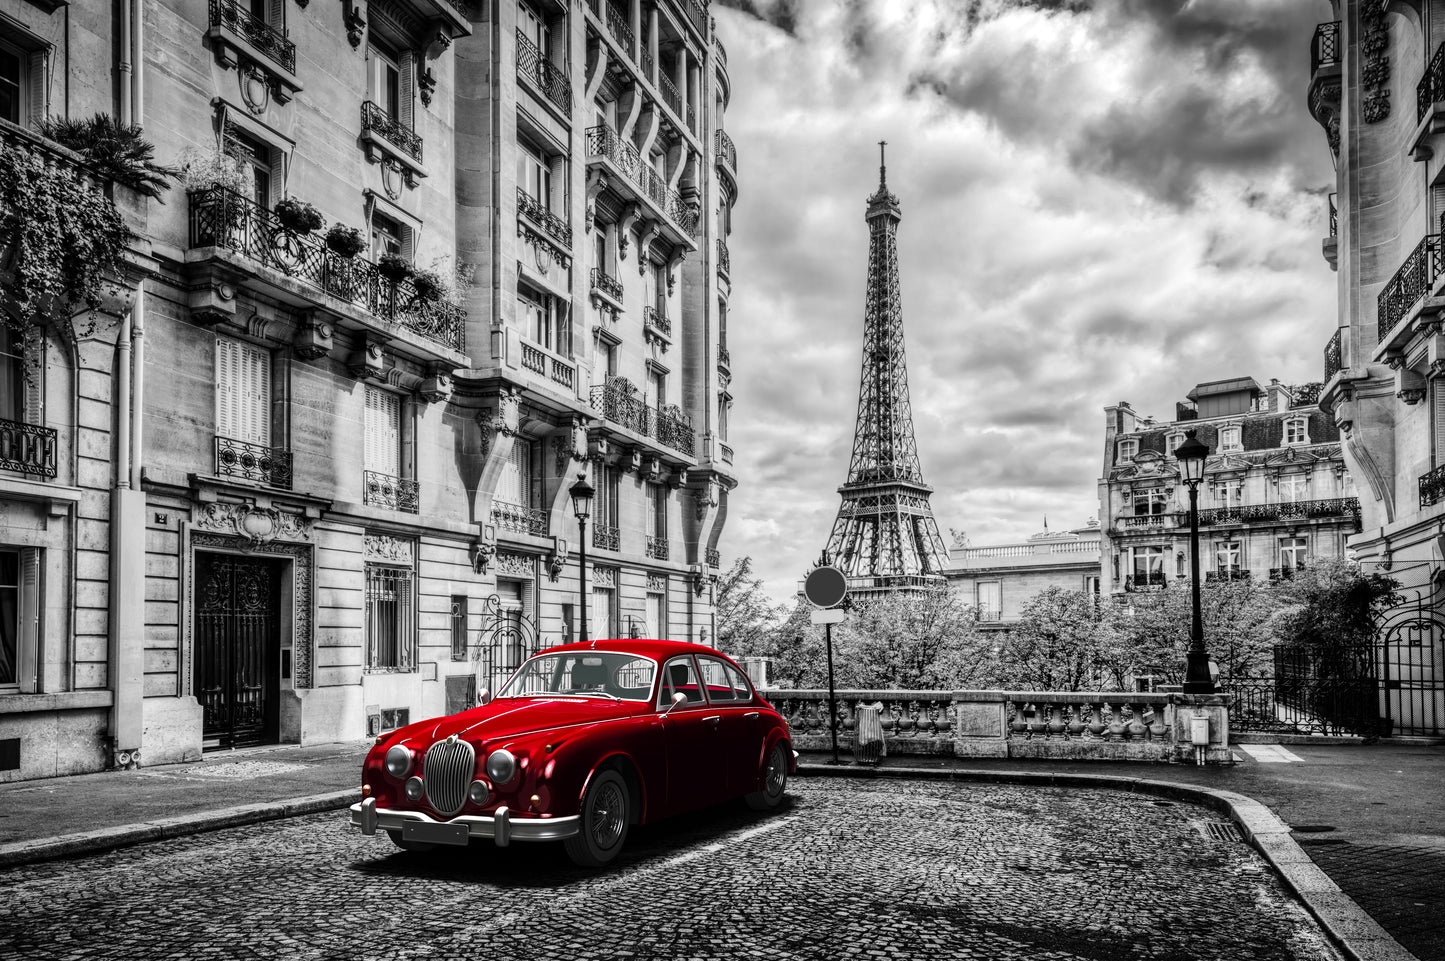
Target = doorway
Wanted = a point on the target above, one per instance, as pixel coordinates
(238, 649)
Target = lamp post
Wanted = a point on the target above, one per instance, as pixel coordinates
(582, 506)
(1191, 456)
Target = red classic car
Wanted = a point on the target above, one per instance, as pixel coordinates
(583, 741)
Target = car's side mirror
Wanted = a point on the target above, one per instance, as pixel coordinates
(484, 696)
(678, 698)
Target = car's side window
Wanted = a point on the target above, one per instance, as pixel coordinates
(678, 676)
(715, 677)
(741, 689)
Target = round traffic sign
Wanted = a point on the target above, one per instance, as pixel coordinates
(825, 586)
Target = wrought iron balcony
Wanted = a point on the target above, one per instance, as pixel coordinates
(604, 143)
(714, 557)
(1252, 513)
(697, 14)
(1233, 574)
(621, 407)
(1411, 283)
(1432, 486)
(657, 547)
(383, 490)
(726, 451)
(1325, 47)
(375, 119)
(1432, 84)
(724, 262)
(1334, 360)
(258, 33)
(555, 226)
(723, 147)
(225, 219)
(253, 462)
(549, 78)
(1138, 583)
(606, 538)
(522, 520)
(649, 64)
(655, 318)
(722, 52)
(620, 29)
(27, 448)
(605, 283)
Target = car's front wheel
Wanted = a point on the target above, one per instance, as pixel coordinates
(604, 821)
(405, 845)
(775, 780)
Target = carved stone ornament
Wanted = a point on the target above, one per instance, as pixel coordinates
(258, 525)
(657, 582)
(1411, 395)
(387, 547)
(427, 83)
(699, 581)
(393, 178)
(314, 340)
(604, 576)
(556, 562)
(436, 386)
(368, 361)
(515, 565)
(705, 498)
(255, 88)
(482, 552)
(1437, 369)
(355, 23)
(1374, 47)
(503, 419)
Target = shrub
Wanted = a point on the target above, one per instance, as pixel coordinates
(298, 216)
(395, 268)
(345, 241)
(113, 150)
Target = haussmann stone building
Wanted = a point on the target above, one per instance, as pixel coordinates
(303, 485)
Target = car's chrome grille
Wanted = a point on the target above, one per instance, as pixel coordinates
(448, 774)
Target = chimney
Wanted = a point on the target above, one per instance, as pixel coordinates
(1280, 396)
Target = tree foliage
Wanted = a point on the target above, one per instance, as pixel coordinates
(1055, 646)
(746, 618)
(114, 150)
(1331, 614)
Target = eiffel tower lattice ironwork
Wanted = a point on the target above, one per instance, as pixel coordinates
(885, 538)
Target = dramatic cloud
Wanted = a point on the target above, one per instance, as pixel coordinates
(1101, 201)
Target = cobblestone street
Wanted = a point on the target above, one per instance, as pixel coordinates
(869, 869)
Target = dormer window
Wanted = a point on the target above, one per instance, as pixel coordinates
(1229, 439)
(1127, 449)
(1296, 431)
(1172, 442)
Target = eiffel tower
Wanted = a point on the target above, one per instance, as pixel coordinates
(885, 538)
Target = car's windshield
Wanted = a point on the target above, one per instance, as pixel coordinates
(603, 674)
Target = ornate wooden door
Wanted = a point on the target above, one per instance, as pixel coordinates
(237, 647)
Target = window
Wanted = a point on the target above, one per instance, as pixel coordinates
(512, 597)
(658, 278)
(1091, 585)
(12, 374)
(1148, 565)
(544, 320)
(722, 324)
(715, 677)
(603, 620)
(656, 388)
(515, 486)
(1229, 493)
(1154, 500)
(535, 29)
(649, 283)
(604, 360)
(384, 77)
(1172, 442)
(988, 596)
(459, 627)
(724, 404)
(14, 81)
(387, 237)
(382, 449)
(1226, 556)
(599, 249)
(390, 619)
(262, 162)
(1347, 484)
(1292, 552)
(19, 619)
(534, 174)
(657, 517)
(1296, 431)
(1292, 488)
(1229, 438)
(1127, 449)
(679, 677)
(607, 481)
(656, 615)
(243, 392)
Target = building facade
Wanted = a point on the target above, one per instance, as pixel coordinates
(1275, 491)
(304, 484)
(1000, 579)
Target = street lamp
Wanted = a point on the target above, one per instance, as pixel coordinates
(1191, 456)
(582, 506)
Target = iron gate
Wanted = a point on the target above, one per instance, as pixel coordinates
(237, 649)
(507, 638)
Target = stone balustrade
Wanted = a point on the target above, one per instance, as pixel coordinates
(1014, 724)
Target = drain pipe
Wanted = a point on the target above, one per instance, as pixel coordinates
(138, 312)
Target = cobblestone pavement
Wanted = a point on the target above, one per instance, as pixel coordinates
(847, 869)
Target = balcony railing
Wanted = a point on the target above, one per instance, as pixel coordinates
(534, 359)
(1147, 520)
(722, 52)
(1285, 573)
(714, 557)
(1248, 513)
(653, 317)
(551, 79)
(383, 490)
(257, 32)
(375, 118)
(603, 141)
(670, 94)
(606, 538)
(724, 357)
(1325, 47)
(606, 283)
(1411, 283)
(1432, 486)
(626, 410)
(522, 520)
(648, 63)
(555, 226)
(726, 451)
(253, 462)
(620, 29)
(1334, 202)
(223, 218)
(1152, 581)
(1334, 359)
(724, 262)
(697, 13)
(723, 147)
(1234, 574)
(1432, 84)
(27, 448)
(657, 547)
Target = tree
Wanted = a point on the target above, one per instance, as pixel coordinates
(746, 618)
(1055, 646)
(1332, 615)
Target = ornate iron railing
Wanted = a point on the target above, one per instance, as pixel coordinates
(27, 448)
(670, 94)
(724, 356)
(621, 31)
(722, 52)
(714, 557)
(523, 520)
(223, 218)
(726, 451)
(603, 141)
(1152, 581)
(253, 462)
(1334, 202)
(653, 317)
(723, 147)
(1325, 46)
(627, 410)
(657, 547)
(383, 490)
(697, 13)
(555, 226)
(1432, 486)
(675, 432)
(724, 262)
(257, 32)
(551, 79)
(1409, 285)
(606, 538)
(1247, 513)
(648, 65)
(1334, 359)
(377, 120)
(1432, 84)
(1234, 574)
(1296, 705)
(606, 283)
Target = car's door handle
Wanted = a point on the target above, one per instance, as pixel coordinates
(750, 715)
(715, 718)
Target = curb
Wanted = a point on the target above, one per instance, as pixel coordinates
(1355, 932)
(125, 835)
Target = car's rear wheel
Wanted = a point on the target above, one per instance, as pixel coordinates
(775, 780)
(405, 845)
(603, 823)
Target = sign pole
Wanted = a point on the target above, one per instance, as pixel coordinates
(826, 587)
(832, 696)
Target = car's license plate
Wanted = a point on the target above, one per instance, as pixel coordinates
(435, 833)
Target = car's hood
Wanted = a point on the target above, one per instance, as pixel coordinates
(507, 718)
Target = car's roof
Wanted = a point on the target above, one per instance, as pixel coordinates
(648, 647)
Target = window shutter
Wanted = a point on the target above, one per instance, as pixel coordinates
(254, 407)
(28, 648)
(383, 431)
(32, 410)
(39, 106)
(276, 14)
(406, 67)
(1438, 389)
(226, 388)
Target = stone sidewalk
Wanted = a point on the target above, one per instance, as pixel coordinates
(1358, 826)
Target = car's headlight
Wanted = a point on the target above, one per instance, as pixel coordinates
(501, 766)
(398, 762)
(479, 793)
(414, 789)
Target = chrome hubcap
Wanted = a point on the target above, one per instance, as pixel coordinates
(608, 810)
(777, 772)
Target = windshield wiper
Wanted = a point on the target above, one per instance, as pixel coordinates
(591, 694)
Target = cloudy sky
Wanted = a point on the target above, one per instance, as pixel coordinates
(1102, 201)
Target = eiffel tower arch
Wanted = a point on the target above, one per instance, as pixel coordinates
(885, 538)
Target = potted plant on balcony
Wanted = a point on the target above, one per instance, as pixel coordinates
(428, 285)
(345, 241)
(115, 151)
(297, 216)
(216, 183)
(395, 268)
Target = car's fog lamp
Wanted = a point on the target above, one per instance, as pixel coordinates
(501, 766)
(479, 793)
(413, 789)
(398, 762)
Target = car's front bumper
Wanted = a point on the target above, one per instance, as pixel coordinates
(501, 827)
